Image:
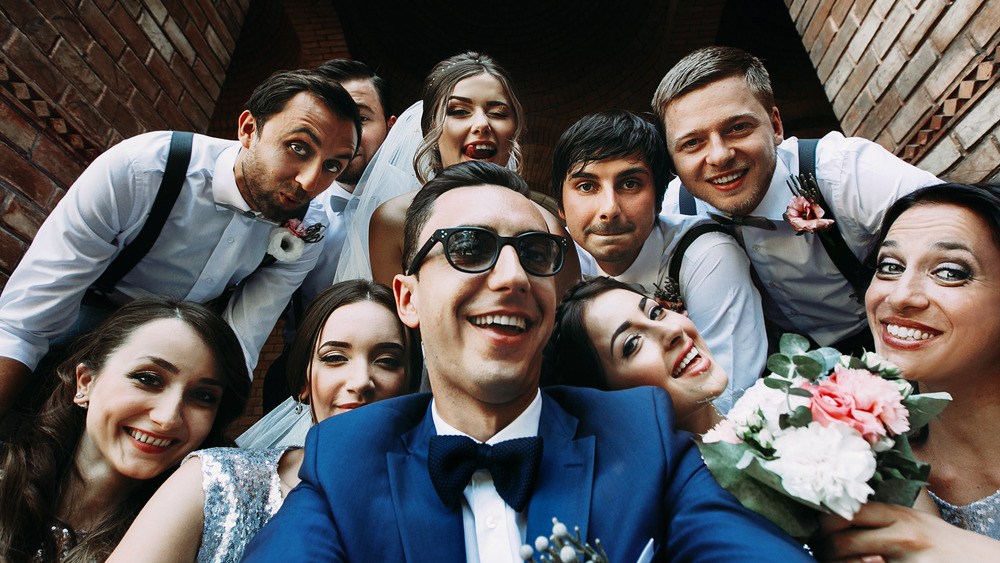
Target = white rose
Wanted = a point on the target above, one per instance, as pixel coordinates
(761, 406)
(828, 465)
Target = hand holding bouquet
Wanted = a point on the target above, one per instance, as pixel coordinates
(821, 433)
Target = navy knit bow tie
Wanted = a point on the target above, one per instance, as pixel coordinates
(513, 464)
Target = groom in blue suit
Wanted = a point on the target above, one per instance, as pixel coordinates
(483, 464)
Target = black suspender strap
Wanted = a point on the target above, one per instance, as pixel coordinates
(170, 187)
(686, 202)
(668, 288)
(856, 273)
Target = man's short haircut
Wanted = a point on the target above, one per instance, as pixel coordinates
(611, 134)
(710, 64)
(462, 175)
(270, 97)
(346, 70)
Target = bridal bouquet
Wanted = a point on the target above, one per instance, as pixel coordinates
(821, 433)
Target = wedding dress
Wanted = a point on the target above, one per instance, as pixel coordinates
(982, 516)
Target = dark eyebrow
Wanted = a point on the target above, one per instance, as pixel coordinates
(309, 132)
(335, 343)
(389, 346)
(621, 328)
(953, 246)
(491, 103)
(632, 172)
(175, 370)
(728, 121)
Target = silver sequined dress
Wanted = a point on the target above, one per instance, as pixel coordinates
(242, 492)
(982, 516)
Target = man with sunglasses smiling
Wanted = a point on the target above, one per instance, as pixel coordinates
(482, 465)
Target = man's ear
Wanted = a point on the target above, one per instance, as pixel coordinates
(246, 128)
(84, 382)
(390, 122)
(406, 301)
(779, 131)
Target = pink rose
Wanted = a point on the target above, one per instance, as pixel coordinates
(868, 403)
(297, 228)
(724, 431)
(875, 395)
(805, 216)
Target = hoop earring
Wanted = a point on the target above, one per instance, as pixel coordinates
(299, 406)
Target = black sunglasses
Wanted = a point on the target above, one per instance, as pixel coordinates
(474, 250)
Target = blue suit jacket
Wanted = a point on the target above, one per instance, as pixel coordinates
(612, 464)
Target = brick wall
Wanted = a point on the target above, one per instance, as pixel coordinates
(916, 76)
(78, 76)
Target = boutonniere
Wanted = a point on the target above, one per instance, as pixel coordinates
(805, 212)
(563, 547)
(286, 243)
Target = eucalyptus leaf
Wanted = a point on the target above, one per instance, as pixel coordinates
(792, 344)
(777, 383)
(898, 491)
(780, 364)
(828, 357)
(800, 392)
(924, 407)
(794, 517)
(807, 367)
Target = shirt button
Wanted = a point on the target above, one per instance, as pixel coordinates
(209, 280)
(756, 248)
(491, 522)
(772, 284)
(230, 240)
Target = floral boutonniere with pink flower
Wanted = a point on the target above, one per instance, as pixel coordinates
(823, 433)
(287, 242)
(805, 212)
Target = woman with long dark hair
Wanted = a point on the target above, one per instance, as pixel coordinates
(158, 379)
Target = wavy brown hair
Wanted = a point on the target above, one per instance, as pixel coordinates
(38, 466)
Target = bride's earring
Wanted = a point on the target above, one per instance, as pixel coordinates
(298, 406)
(83, 404)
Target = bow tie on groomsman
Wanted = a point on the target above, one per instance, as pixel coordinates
(338, 204)
(513, 464)
(744, 220)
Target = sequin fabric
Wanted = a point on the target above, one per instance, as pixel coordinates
(982, 516)
(242, 492)
(64, 541)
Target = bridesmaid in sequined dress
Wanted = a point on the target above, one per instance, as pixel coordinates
(350, 350)
(934, 308)
(158, 379)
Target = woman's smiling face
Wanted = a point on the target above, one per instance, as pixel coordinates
(640, 343)
(152, 403)
(933, 305)
(478, 122)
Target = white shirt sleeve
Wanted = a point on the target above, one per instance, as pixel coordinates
(723, 303)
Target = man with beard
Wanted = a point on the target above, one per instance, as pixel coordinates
(727, 144)
(609, 172)
(372, 96)
(230, 204)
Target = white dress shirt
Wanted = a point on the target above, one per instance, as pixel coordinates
(720, 297)
(494, 532)
(334, 200)
(805, 292)
(205, 247)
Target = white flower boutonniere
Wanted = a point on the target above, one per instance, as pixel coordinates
(286, 243)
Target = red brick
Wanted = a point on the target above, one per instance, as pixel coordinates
(954, 62)
(916, 31)
(109, 72)
(11, 251)
(22, 218)
(886, 72)
(165, 77)
(62, 165)
(863, 36)
(155, 35)
(986, 24)
(18, 131)
(207, 79)
(24, 177)
(883, 112)
(233, 20)
(861, 8)
(43, 74)
(75, 105)
(66, 23)
(915, 70)
(138, 74)
(833, 54)
(205, 54)
(978, 164)
(73, 66)
(175, 119)
(855, 83)
(144, 113)
(156, 9)
(117, 113)
(822, 42)
(180, 43)
(104, 5)
(840, 11)
(192, 85)
(196, 13)
(104, 33)
(862, 105)
(915, 107)
(221, 51)
(126, 26)
(218, 28)
(951, 23)
(132, 7)
(890, 29)
(31, 22)
(816, 24)
(193, 113)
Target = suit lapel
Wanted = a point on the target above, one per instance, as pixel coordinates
(429, 530)
(566, 477)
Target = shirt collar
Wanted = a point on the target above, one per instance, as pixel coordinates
(524, 426)
(778, 196)
(224, 189)
(646, 266)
